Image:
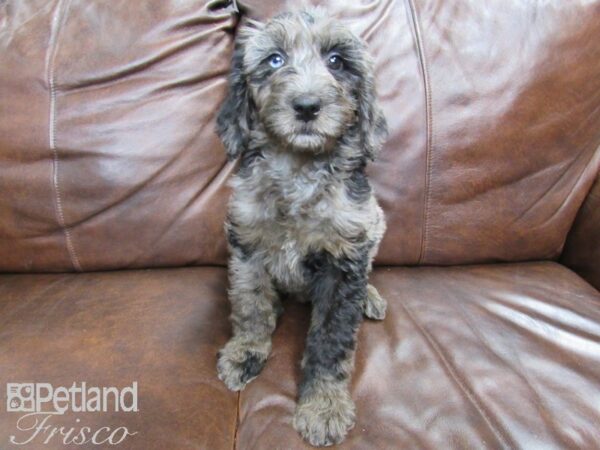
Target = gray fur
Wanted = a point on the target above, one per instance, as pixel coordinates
(302, 216)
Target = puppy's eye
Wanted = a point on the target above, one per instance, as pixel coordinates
(335, 61)
(276, 60)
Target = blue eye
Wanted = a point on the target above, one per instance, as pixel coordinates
(276, 60)
(335, 61)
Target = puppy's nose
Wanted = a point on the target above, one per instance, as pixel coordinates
(307, 108)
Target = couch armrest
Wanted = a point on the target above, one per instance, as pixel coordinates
(582, 248)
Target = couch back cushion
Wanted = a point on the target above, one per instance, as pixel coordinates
(108, 158)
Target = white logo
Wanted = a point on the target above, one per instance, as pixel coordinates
(20, 397)
(42, 401)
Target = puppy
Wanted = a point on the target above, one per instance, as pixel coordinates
(302, 116)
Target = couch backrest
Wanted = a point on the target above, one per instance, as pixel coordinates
(108, 158)
(582, 249)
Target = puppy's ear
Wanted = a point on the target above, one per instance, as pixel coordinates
(371, 121)
(234, 120)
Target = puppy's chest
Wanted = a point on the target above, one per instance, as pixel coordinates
(298, 205)
(295, 212)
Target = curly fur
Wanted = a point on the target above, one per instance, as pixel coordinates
(302, 217)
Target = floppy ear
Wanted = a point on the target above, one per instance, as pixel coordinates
(235, 116)
(371, 121)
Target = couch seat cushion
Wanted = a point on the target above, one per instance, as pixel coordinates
(503, 356)
(159, 328)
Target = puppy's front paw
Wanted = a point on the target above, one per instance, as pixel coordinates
(375, 305)
(239, 363)
(325, 418)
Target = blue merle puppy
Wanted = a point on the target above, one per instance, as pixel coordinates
(301, 114)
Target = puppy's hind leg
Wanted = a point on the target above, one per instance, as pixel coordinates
(255, 306)
(374, 306)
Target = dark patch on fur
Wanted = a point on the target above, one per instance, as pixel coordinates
(260, 75)
(236, 114)
(248, 157)
(337, 288)
(356, 74)
(252, 366)
(373, 126)
(245, 251)
(357, 185)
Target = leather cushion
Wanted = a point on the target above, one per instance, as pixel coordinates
(161, 328)
(468, 357)
(108, 158)
(582, 249)
(481, 357)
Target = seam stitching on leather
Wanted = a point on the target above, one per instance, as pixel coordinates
(58, 206)
(237, 421)
(428, 127)
(454, 375)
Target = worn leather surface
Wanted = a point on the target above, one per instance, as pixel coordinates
(582, 250)
(498, 356)
(161, 328)
(108, 157)
(480, 357)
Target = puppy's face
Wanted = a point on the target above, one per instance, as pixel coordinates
(307, 80)
(303, 73)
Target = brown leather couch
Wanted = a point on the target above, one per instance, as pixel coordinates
(113, 193)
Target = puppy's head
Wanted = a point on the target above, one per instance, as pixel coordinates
(304, 79)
